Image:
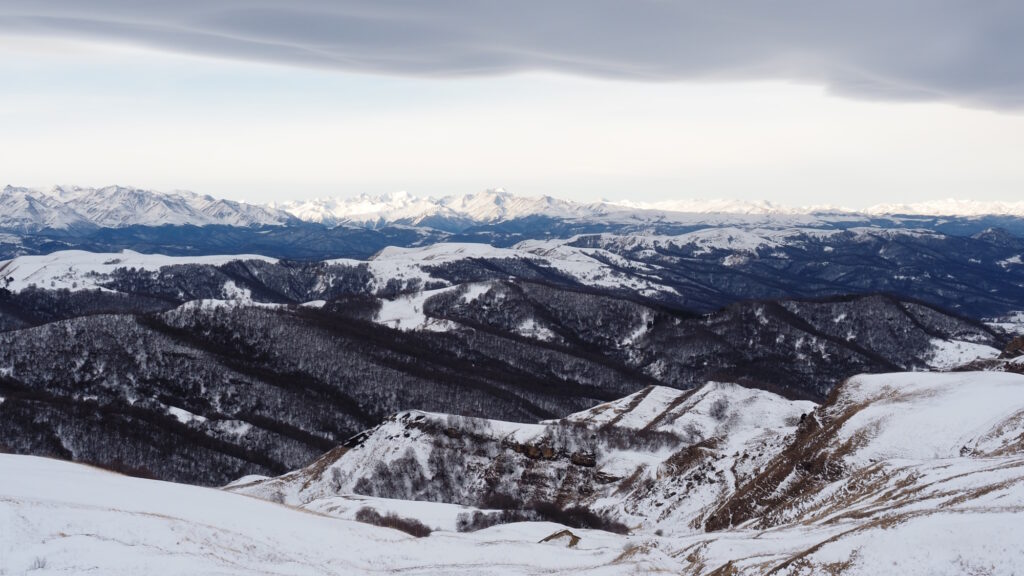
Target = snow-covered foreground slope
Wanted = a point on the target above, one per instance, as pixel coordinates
(909, 473)
(61, 518)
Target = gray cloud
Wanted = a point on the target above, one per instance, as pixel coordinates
(961, 51)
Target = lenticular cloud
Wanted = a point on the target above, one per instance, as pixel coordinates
(959, 52)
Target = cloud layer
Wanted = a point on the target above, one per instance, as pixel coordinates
(957, 51)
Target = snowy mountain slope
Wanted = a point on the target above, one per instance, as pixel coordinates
(588, 267)
(892, 475)
(949, 354)
(627, 458)
(363, 209)
(944, 440)
(890, 446)
(71, 208)
(912, 472)
(60, 518)
(940, 543)
(67, 518)
(23, 210)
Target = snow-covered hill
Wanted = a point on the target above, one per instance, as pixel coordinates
(876, 480)
(905, 473)
(627, 459)
(80, 270)
(678, 461)
(891, 446)
(71, 208)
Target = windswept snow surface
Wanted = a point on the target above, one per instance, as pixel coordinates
(911, 416)
(62, 518)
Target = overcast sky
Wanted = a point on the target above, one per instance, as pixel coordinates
(794, 102)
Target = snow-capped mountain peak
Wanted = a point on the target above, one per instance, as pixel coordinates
(74, 207)
(404, 208)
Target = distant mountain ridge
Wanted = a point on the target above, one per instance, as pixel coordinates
(75, 209)
(498, 204)
(29, 210)
(403, 208)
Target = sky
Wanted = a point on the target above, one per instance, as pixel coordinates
(799, 103)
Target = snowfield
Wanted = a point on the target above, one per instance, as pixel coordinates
(61, 518)
(947, 354)
(923, 474)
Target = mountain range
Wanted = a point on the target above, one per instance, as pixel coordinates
(78, 208)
